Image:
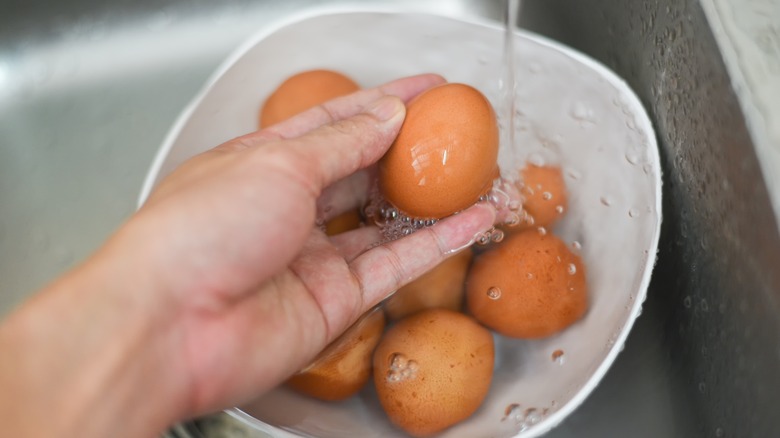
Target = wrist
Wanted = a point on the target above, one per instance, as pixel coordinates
(84, 358)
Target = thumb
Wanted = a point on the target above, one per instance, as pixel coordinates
(342, 147)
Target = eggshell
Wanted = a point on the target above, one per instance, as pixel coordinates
(529, 286)
(544, 195)
(442, 287)
(444, 157)
(342, 223)
(303, 91)
(344, 367)
(432, 370)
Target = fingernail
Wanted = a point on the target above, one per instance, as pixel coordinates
(386, 108)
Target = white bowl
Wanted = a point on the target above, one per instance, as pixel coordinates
(576, 113)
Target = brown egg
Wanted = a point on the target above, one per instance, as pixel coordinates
(544, 195)
(342, 223)
(432, 370)
(303, 91)
(442, 287)
(444, 157)
(344, 367)
(529, 286)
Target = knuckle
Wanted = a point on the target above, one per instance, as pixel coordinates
(432, 233)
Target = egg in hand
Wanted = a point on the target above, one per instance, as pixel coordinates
(445, 155)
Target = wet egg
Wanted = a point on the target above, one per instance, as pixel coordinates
(444, 157)
(432, 370)
(302, 91)
(441, 287)
(349, 220)
(344, 367)
(543, 192)
(528, 286)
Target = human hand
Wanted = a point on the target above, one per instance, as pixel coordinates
(233, 287)
(247, 210)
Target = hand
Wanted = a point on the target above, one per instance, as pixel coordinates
(221, 286)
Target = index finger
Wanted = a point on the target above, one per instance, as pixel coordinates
(386, 268)
(342, 108)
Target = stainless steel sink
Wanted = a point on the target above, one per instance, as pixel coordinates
(88, 90)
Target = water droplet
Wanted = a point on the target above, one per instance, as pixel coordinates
(532, 416)
(559, 209)
(702, 387)
(719, 432)
(398, 361)
(512, 220)
(647, 168)
(528, 219)
(529, 276)
(581, 112)
(573, 174)
(401, 368)
(542, 231)
(632, 159)
(571, 269)
(576, 245)
(511, 411)
(704, 306)
(536, 159)
(547, 196)
(494, 293)
(687, 302)
(497, 236)
(484, 238)
(557, 357)
(606, 201)
(633, 212)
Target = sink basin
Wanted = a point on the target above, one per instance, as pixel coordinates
(89, 89)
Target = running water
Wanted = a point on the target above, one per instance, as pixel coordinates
(508, 92)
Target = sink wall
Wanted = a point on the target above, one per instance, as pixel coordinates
(716, 288)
